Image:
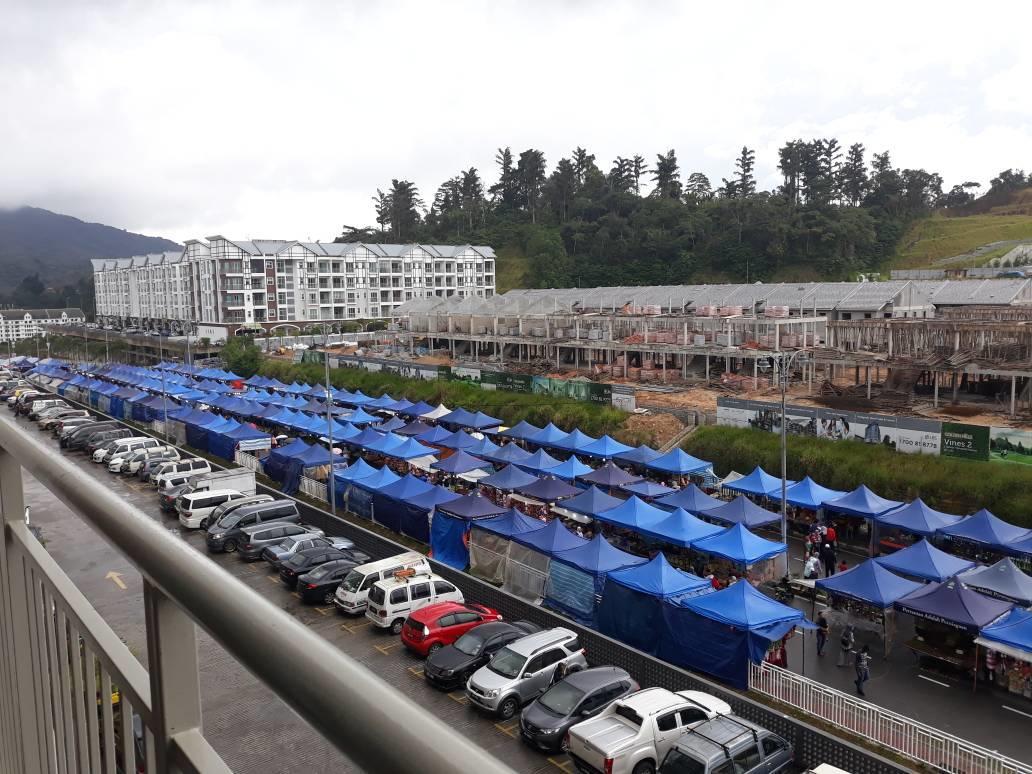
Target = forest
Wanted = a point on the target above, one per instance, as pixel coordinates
(835, 214)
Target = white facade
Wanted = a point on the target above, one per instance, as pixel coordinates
(18, 324)
(273, 281)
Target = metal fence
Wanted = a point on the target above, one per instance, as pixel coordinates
(249, 461)
(898, 733)
(313, 488)
(74, 699)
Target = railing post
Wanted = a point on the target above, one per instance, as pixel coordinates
(174, 677)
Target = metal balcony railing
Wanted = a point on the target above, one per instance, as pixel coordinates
(74, 699)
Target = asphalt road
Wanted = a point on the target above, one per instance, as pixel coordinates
(251, 728)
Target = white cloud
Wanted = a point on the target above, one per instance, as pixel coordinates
(281, 119)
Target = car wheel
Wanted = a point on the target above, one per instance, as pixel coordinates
(509, 707)
(204, 524)
(328, 598)
(230, 546)
(396, 626)
(433, 649)
(645, 767)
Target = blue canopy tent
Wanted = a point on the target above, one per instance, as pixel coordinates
(380, 403)
(808, 494)
(460, 462)
(539, 461)
(399, 405)
(758, 483)
(490, 540)
(870, 583)
(723, 632)
(391, 425)
(741, 547)
(576, 577)
(343, 479)
(633, 514)
(678, 463)
(415, 521)
(482, 421)
(549, 436)
(609, 475)
(117, 401)
(574, 441)
(363, 439)
(434, 435)
(641, 455)
(917, 518)
(385, 443)
(953, 604)
(224, 444)
(410, 449)
(360, 417)
(861, 502)
(390, 502)
(482, 448)
(530, 555)
(743, 511)
(508, 453)
(508, 479)
(649, 489)
(631, 609)
(1011, 635)
(414, 428)
(548, 489)
(451, 524)
(691, 499)
(680, 528)
(1003, 580)
(925, 561)
(416, 409)
(362, 490)
(984, 529)
(458, 417)
(313, 457)
(591, 502)
(196, 434)
(276, 463)
(569, 469)
(521, 431)
(605, 448)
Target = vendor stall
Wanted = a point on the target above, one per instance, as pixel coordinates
(450, 525)
(521, 431)
(538, 462)
(391, 502)
(604, 448)
(415, 521)
(549, 436)
(860, 503)
(679, 528)
(741, 510)
(982, 536)
(609, 476)
(1007, 644)
(529, 557)
(1003, 580)
(894, 529)
(746, 554)
(691, 499)
(631, 609)
(576, 577)
(925, 562)
(508, 479)
(507, 454)
(759, 483)
(490, 541)
(361, 491)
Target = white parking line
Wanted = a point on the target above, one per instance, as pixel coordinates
(937, 682)
(1011, 709)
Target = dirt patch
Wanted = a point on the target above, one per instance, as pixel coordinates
(652, 429)
(433, 360)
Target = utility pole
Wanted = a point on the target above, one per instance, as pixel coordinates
(331, 484)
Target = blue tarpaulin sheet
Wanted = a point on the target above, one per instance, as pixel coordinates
(448, 540)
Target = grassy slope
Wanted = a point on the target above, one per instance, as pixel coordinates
(512, 269)
(941, 237)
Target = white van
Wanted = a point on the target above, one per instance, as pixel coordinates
(189, 468)
(128, 461)
(194, 507)
(134, 463)
(392, 599)
(134, 443)
(354, 590)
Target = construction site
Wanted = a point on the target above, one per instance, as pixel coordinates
(925, 347)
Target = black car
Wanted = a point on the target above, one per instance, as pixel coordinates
(320, 584)
(581, 695)
(451, 666)
(305, 561)
(77, 438)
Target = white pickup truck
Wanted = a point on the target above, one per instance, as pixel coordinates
(634, 734)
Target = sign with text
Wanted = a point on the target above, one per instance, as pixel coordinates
(969, 442)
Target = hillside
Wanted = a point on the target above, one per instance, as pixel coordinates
(986, 230)
(59, 247)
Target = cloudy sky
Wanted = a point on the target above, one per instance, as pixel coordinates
(279, 120)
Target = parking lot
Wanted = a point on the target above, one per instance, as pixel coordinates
(247, 724)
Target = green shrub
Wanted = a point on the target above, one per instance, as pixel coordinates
(953, 486)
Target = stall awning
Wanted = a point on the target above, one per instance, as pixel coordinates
(954, 604)
(869, 582)
(862, 502)
(1011, 635)
(923, 560)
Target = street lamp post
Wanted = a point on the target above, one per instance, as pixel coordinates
(329, 421)
(784, 370)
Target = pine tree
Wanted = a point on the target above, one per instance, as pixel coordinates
(530, 175)
(583, 163)
(560, 189)
(638, 169)
(506, 191)
(746, 183)
(667, 176)
(852, 176)
(405, 205)
(621, 176)
(698, 187)
(471, 191)
(382, 206)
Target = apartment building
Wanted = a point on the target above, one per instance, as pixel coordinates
(279, 283)
(18, 324)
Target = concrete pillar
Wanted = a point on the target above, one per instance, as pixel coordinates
(935, 389)
(868, 382)
(707, 368)
(1014, 394)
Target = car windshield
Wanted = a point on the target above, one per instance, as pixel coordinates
(320, 572)
(226, 522)
(507, 663)
(561, 699)
(353, 581)
(677, 762)
(469, 643)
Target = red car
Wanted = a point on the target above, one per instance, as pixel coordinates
(430, 628)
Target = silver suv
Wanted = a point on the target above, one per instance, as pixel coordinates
(524, 669)
(728, 745)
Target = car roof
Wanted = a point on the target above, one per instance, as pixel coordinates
(211, 492)
(319, 550)
(430, 612)
(250, 529)
(709, 739)
(246, 510)
(596, 677)
(333, 563)
(652, 700)
(407, 579)
(539, 640)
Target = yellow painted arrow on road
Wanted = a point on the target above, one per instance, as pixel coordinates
(117, 578)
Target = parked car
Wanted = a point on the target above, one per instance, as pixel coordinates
(194, 466)
(76, 438)
(277, 554)
(35, 403)
(634, 734)
(582, 695)
(394, 599)
(151, 464)
(523, 670)
(245, 516)
(45, 408)
(105, 437)
(257, 537)
(62, 415)
(354, 591)
(122, 445)
(728, 744)
(451, 666)
(194, 506)
(305, 561)
(172, 489)
(320, 584)
(429, 629)
(137, 460)
(216, 515)
(66, 424)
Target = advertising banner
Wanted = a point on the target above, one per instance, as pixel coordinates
(1009, 445)
(969, 442)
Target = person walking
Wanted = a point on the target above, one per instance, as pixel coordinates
(822, 633)
(828, 559)
(846, 646)
(812, 568)
(863, 668)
